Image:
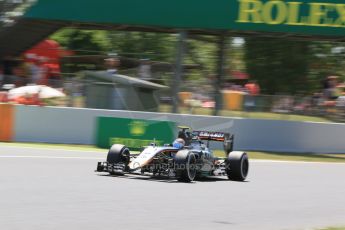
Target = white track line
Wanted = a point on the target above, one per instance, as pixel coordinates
(295, 162)
(54, 157)
(54, 149)
(102, 159)
(99, 151)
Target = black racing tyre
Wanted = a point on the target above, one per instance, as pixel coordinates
(118, 154)
(237, 166)
(185, 163)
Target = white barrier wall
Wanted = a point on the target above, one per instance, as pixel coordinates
(77, 126)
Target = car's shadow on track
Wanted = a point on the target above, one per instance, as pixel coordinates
(165, 179)
(217, 179)
(144, 178)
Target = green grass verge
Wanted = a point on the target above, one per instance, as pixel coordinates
(56, 146)
(309, 157)
(333, 228)
(243, 114)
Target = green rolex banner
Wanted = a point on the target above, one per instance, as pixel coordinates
(134, 133)
(295, 16)
(301, 17)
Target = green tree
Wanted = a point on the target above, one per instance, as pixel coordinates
(155, 46)
(279, 65)
(290, 66)
(83, 42)
(328, 58)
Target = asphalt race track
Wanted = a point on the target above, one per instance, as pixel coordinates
(58, 189)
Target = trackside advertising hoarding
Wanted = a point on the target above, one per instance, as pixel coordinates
(301, 17)
(134, 133)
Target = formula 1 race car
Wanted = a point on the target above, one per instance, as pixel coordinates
(187, 159)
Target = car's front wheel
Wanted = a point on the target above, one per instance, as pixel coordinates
(118, 154)
(185, 163)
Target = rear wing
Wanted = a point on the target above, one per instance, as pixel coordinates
(211, 136)
(226, 138)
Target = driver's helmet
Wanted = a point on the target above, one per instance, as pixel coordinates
(179, 143)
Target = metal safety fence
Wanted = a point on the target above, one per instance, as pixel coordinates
(196, 102)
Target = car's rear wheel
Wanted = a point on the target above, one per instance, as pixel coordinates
(118, 154)
(185, 163)
(237, 166)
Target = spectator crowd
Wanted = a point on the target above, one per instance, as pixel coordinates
(30, 70)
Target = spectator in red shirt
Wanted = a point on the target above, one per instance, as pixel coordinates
(253, 90)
